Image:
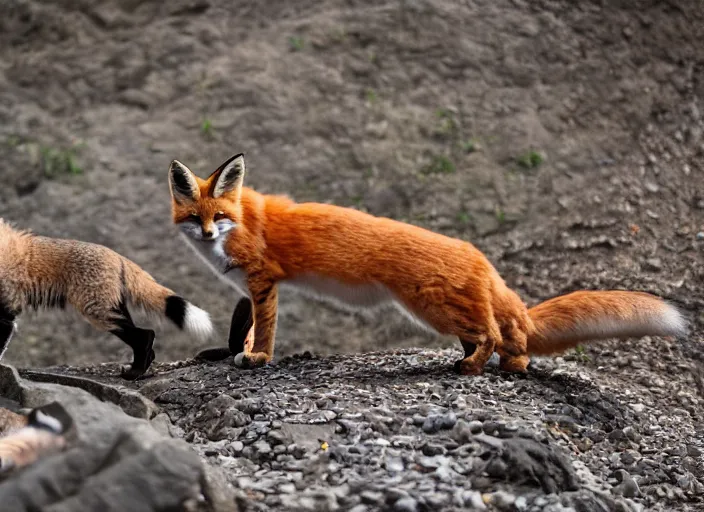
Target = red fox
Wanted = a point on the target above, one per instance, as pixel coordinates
(37, 271)
(25, 439)
(257, 241)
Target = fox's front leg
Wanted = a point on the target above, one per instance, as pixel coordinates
(241, 335)
(265, 300)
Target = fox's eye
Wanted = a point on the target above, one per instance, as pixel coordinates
(194, 217)
(219, 216)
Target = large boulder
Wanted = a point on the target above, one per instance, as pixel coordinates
(114, 462)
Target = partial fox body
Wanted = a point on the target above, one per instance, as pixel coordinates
(257, 242)
(29, 438)
(37, 271)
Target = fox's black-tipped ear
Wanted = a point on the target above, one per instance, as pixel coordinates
(183, 184)
(229, 176)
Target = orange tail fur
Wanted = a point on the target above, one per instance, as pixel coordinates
(583, 316)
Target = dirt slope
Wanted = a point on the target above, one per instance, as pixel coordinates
(419, 110)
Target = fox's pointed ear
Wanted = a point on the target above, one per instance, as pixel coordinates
(229, 176)
(183, 184)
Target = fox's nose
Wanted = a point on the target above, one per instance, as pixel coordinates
(208, 235)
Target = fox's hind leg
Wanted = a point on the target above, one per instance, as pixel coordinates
(479, 340)
(7, 327)
(513, 351)
(141, 341)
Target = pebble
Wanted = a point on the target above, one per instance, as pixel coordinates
(475, 426)
(628, 487)
(262, 447)
(433, 449)
(371, 497)
(435, 423)
(638, 408)
(407, 504)
(653, 264)
(651, 187)
(236, 446)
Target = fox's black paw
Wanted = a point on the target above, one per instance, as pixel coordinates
(139, 368)
(214, 354)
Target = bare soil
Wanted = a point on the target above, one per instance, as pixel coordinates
(563, 138)
(419, 110)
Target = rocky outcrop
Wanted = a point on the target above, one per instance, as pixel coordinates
(114, 462)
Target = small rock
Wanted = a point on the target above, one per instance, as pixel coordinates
(475, 426)
(693, 451)
(236, 447)
(371, 497)
(631, 434)
(502, 499)
(627, 458)
(262, 447)
(433, 449)
(628, 488)
(616, 435)
(653, 264)
(406, 505)
(638, 408)
(276, 437)
(394, 464)
(651, 187)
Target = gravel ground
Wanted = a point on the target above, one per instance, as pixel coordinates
(399, 431)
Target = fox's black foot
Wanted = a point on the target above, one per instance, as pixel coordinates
(137, 369)
(240, 325)
(214, 354)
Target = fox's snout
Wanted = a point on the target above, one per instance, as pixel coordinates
(209, 231)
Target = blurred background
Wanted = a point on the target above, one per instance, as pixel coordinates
(563, 138)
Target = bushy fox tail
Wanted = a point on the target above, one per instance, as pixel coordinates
(143, 291)
(583, 316)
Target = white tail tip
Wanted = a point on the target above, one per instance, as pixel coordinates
(673, 321)
(197, 322)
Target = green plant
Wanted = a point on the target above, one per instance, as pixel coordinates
(530, 160)
(439, 164)
(470, 146)
(447, 124)
(464, 217)
(206, 128)
(500, 215)
(59, 161)
(295, 43)
(581, 353)
(370, 95)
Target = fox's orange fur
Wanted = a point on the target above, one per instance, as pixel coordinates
(259, 241)
(37, 271)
